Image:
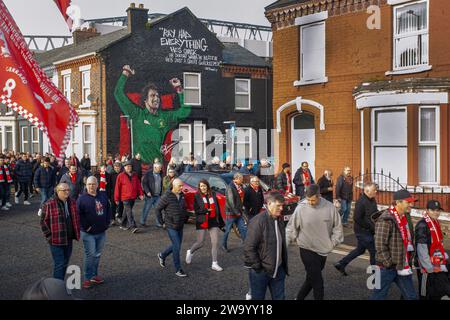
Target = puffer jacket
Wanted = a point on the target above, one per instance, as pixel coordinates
(23, 171)
(260, 246)
(175, 210)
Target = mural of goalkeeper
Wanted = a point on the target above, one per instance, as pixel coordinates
(150, 125)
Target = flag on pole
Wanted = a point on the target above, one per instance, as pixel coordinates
(62, 6)
(26, 89)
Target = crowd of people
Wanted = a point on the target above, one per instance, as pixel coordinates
(78, 203)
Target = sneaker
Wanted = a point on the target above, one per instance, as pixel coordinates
(215, 266)
(87, 284)
(39, 212)
(248, 296)
(123, 228)
(31, 196)
(180, 273)
(8, 204)
(162, 262)
(224, 249)
(26, 202)
(339, 267)
(5, 208)
(16, 200)
(134, 230)
(97, 280)
(189, 257)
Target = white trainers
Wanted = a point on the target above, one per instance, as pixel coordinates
(16, 200)
(5, 208)
(248, 296)
(39, 212)
(215, 266)
(26, 202)
(8, 204)
(189, 257)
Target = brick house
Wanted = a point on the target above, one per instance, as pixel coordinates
(371, 98)
(222, 82)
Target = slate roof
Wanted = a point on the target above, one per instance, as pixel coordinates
(234, 54)
(95, 44)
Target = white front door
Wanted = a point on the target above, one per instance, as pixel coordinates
(303, 142)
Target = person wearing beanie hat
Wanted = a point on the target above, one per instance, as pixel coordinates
(394, 248)
(433, 274)
(284, 179)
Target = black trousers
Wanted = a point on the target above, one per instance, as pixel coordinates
(116, 210)
(314, 264)
(23, 188)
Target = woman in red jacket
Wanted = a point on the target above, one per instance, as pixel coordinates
(128, 188)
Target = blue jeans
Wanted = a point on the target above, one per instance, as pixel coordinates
(259, 281)
(61, 256)
(46, 193)
(404, 283)
(345, 208)
(176, 237)
(93, 246)
(149, 203)
(365, 242)
(239, 221)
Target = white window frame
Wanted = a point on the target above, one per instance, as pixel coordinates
(250, 141)
(187, 126)
(375, 144)
(67, 91)
(33, 140)
(90, 142)
(435, 143)
(416, 68)
(203, 141)
(308, 21)
(199, 88)
(74, 141)
(238, 93)
(85, 103)
(22, 140)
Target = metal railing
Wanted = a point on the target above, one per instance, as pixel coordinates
(388, 185)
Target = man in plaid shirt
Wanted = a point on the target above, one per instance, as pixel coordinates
(60, 224)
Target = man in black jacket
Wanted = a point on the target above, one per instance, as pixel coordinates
(326, 185)
(44, 181)
(136, 162)
(253, 198)
(302, 179)
(265, 251)
(152, 186)
(174, 219)
(344, 193)
(117, 209)
(234, 209)
(364, 227)
(85, 165)
(284, 179)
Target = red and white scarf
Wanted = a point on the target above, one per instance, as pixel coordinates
(5, 170)
(306, 178)
(437, 252)
(240, 191)
(102, 181)
(288, 187)
(208, 202)
(402, 224)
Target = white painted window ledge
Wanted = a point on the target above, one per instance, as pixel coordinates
(298, 83)
(409, 71)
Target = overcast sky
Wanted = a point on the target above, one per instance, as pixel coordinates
(42, 17)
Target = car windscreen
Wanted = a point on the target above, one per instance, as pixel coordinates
(216, 182)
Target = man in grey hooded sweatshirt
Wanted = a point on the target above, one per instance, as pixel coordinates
(316, 228)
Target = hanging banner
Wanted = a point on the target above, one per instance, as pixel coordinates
(26, 89)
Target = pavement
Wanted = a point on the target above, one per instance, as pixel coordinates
(131, 270)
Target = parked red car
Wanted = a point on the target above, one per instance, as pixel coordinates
(218, 183)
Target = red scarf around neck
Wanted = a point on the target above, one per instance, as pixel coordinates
(306, 178)
(288, 187)
(437, 252)
(208, 202)
(102, 181)
(402, 224)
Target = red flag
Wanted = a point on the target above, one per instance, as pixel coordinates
(26, 89)
(62, 6)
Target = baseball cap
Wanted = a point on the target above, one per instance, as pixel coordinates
(128, 163)
(48, 289)
(434, 205)
(404, 194)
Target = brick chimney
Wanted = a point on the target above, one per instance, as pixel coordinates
(80, 36)
(137, 17)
